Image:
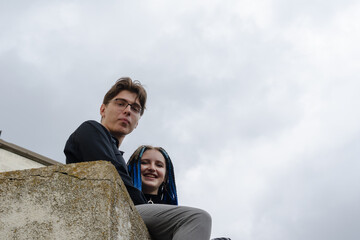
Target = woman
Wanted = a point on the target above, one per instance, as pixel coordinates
(153, 173)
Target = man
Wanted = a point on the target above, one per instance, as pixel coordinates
(122, 107)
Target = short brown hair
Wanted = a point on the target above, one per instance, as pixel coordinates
(126, 83)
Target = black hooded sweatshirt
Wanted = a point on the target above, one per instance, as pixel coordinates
(91, 141)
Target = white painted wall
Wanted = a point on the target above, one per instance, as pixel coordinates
(10, 161)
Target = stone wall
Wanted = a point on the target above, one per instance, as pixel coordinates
(75, 201)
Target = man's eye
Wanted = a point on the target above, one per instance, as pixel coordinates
(136, 108)
(121, 102)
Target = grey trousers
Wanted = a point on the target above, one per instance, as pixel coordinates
(166, 222)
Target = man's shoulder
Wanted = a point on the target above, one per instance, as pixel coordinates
(91, 126)
(91, 123)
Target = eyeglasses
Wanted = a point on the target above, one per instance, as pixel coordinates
(123, 104)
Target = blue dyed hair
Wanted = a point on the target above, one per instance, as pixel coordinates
(167, 192)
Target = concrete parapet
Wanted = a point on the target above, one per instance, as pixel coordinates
(76, 201)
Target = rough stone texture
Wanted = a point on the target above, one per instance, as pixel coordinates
(75, 201)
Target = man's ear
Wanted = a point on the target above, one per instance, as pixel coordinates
(102, 110)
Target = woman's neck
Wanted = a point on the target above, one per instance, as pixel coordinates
(150, 191)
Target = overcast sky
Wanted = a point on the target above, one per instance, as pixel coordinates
(256, 101)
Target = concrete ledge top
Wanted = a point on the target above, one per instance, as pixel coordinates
(75, 201)
(84, 170)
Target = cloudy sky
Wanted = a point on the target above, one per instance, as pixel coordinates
(256, 101)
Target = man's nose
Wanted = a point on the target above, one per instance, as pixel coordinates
(127, 109)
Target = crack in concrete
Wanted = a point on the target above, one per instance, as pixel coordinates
(49, 176)
(82, 179)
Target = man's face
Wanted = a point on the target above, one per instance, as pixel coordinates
(118, 120)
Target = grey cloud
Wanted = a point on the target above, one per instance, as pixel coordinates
(230, 86)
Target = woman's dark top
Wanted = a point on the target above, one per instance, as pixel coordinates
(154, 199)
(92, 142)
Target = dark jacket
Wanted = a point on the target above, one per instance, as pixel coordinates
(91, 141)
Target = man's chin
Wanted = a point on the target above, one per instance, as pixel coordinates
(124, 131)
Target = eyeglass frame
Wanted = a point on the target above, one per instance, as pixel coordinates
(126, 104)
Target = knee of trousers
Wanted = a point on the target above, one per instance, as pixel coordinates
(201, 216)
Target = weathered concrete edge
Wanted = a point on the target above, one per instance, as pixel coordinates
(77, 171)
(73, 170)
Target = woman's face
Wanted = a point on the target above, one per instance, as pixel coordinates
(153, 170)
